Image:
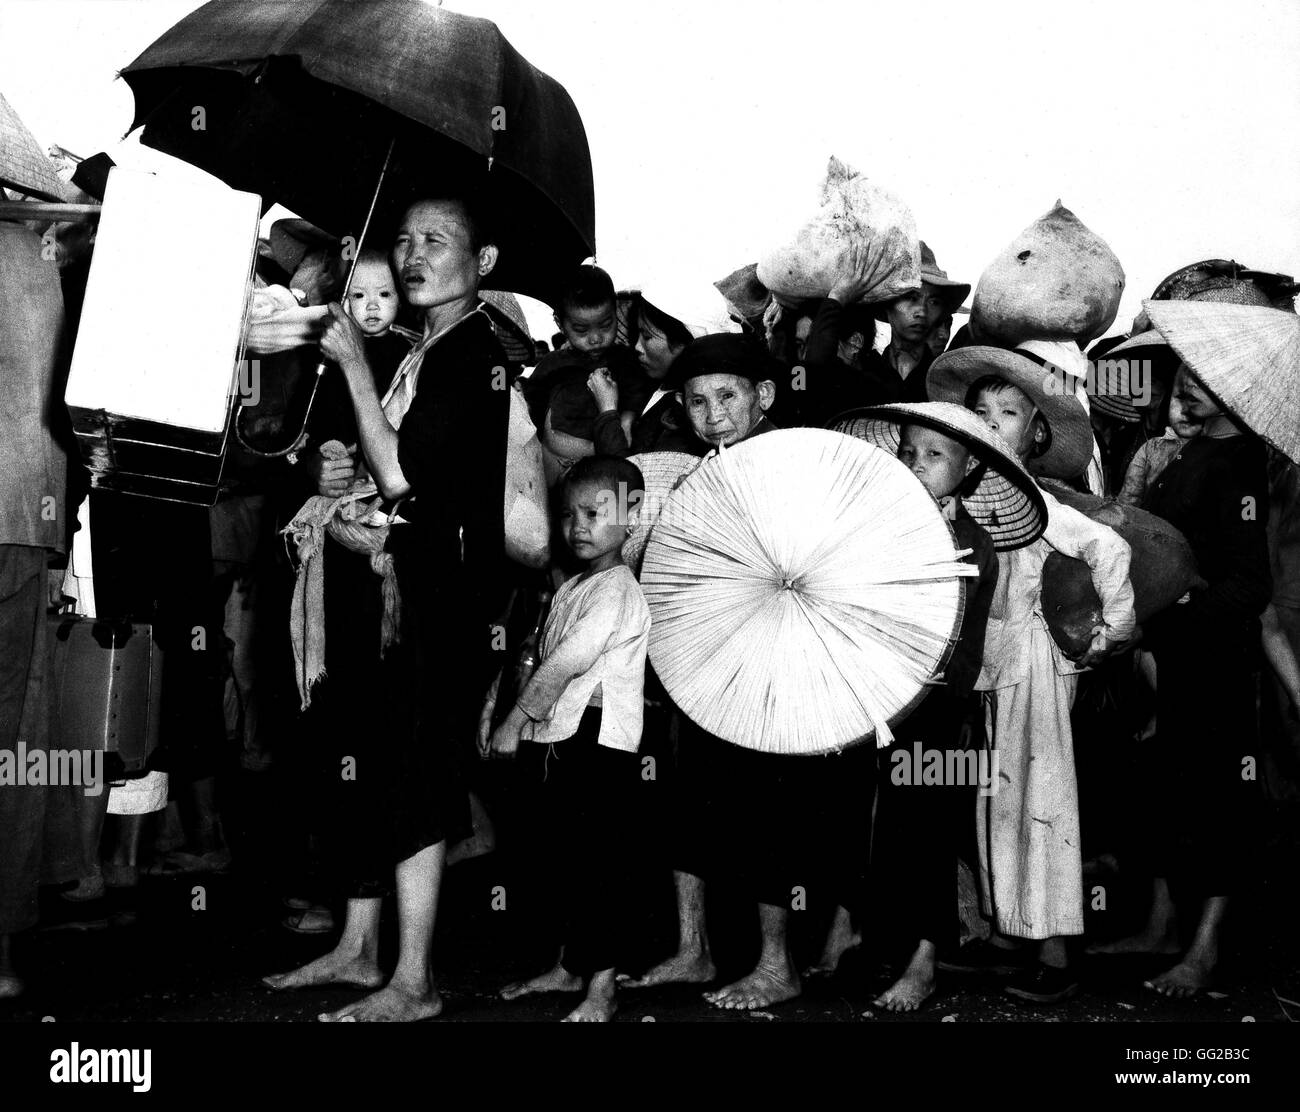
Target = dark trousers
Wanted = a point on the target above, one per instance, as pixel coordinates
(774, 824)
(582, 843)
(1204, 800)
(25, 707)
(921, 828)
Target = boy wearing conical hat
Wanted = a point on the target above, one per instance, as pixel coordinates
(1028, 832)
(992, 505)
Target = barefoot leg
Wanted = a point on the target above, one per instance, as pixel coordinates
(481, 842)
(840, 939)
(915, 986)
(353, 961)
(10, 983)
(1196, 970)
(1158, 936)
(692, 964)
(774, 978)
(410, 994)
(600, 1003)
(555, 979)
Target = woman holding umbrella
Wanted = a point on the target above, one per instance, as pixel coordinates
(435, 446)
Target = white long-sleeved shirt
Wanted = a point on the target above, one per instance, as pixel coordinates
(1018, 597)
(593, 654)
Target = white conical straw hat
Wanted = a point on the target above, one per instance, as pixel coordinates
(803, 589)
(1248, 356)
(661, 471)
(23, 165)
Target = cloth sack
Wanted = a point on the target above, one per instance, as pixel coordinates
(1057, 280)
(853, 211)
(1162, 570)
(528, 527)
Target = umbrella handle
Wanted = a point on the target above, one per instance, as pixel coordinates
(281, 453)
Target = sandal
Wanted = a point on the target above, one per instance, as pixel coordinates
(310, 920)
(181, 863)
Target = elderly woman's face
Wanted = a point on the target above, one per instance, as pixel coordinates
(433, 257)
(724, 408)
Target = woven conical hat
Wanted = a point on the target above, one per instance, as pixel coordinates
(661, 472)
(1007, 503)
(803, 588)
(1247, 356)
(23, 165)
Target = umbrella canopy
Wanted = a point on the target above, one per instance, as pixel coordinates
(299, 102)
(23, 165)
(662, 471)
(803, 588)
(1248, 357)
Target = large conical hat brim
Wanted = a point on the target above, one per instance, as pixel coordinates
(1007, 504)
(1070, 451)
(1248, 357)
(803, 589)
(510, 325)
(661, 471)
(24, 167)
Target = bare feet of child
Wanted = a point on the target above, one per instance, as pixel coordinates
(692, 967)
(765, 986)
(335, 968)
(1189, 976)
(600, 1003)
(914, 987)
(840, 939)
(558, 979)
(1146, 941)
(394, 1003)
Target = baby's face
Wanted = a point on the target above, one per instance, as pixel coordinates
(591, 332)
(372, 298)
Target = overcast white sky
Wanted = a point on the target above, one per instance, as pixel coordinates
(1170, 127)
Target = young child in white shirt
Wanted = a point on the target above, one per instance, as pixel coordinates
(579, 718)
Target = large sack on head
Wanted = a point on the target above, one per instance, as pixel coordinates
(1057, 280)
(853, 210)
(1162, 569)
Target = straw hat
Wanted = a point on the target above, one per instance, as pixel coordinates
(23, 165)
(1046, 383)
(1229, 283)
(803, 588)
(1007, 503)
(1248, 357)
(662, 471)
(952, 293)
(702, 310)
(510, 324)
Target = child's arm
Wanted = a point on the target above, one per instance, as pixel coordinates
(1277, 650)
(575, 654)
(564, 445)
(1107, 554)
(1136, 477)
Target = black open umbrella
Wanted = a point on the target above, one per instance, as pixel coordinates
(301, 102)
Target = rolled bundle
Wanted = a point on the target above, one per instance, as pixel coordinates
(1162, 570)
(1057, 280)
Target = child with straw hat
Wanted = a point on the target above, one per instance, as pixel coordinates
(1028, 832)
(992, 505)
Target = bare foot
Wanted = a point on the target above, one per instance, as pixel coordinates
(600, 1003)
(911, 990)
(840, 939)
(1144, 942)
(393, 1003)
(760, 989)
(691, 968)
(334, 968)
(11, 985)
(1185, 979)
(558, 979)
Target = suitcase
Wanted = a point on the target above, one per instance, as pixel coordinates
(107, 688)
(158, 364)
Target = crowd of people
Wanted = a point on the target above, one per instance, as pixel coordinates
(392, 651)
